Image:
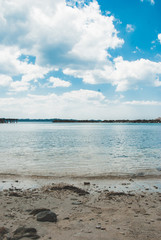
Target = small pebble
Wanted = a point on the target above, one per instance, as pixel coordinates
(98, 227)
(86, 183)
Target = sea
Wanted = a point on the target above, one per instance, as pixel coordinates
(80, 149)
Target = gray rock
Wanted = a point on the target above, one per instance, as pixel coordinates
(23, 232)
(14, 194)
(86, 183)
(76, 203)
(3, 231)
(98, 227)
(47, 216)
(38, 210)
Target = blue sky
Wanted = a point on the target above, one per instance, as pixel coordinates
(80, 59)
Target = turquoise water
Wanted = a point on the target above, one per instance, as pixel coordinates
(81, 149)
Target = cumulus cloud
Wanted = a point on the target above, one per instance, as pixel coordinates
(5, 80)
(122, 74)
(128, 74)
(130, 28)
(59, 34)
(56, 32)
(19, 86)
(12, 67)
(69, 35)
(159, 37)
(57, 82)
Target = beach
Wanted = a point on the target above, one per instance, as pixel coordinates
(121, 208)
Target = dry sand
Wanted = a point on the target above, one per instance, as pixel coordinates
(106, 213)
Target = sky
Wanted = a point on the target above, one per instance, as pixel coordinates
(81, 59)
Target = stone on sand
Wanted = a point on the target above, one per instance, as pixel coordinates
(47, 216)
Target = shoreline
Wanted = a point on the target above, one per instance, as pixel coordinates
(140, 175)
(150, 183)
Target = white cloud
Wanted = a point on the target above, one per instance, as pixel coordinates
(83, 96)
(140, 103)
(57, 82)
(11, 66)
(5, 80)
(157, 82)
(81, 104)
(75, 39)
(57, 33)
(75, 104)
(159, 37)
(9, 60)
(130, 28)
(122, 74)
(19, 86)
(97, 35)
(128, 74)
(151, 1)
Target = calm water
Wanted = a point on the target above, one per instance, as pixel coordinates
(80, 149)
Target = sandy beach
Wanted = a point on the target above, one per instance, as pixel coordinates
(82, 209)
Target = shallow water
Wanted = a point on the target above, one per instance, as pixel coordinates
(86, 149)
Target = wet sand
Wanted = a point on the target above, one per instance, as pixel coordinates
(114, 209)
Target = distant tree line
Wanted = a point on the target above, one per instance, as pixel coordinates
(57, 120)
(8, 120)
(107, 121)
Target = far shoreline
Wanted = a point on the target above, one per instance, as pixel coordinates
(59, 120)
